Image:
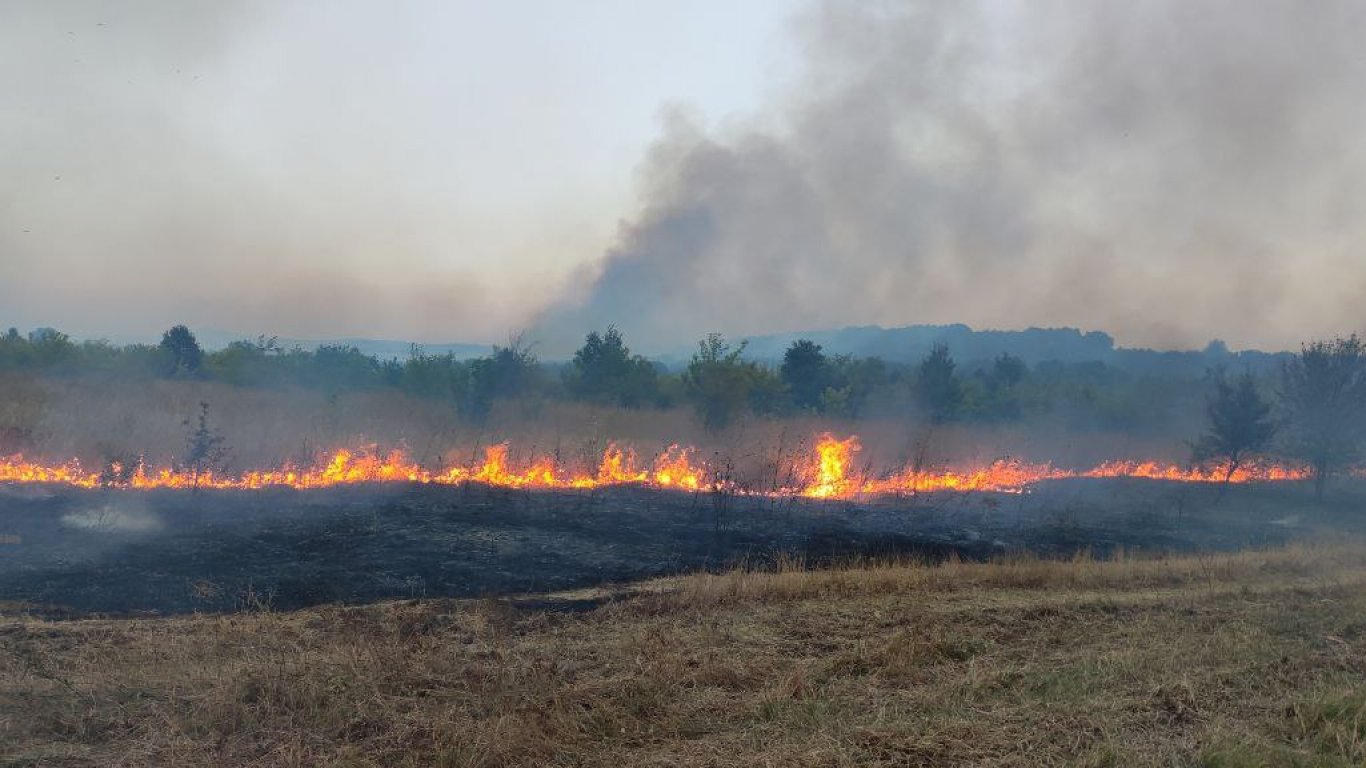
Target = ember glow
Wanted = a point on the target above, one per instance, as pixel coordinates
(832, 473)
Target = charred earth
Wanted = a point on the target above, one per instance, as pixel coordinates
(177, 551)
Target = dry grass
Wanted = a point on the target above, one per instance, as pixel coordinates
(97, 419)
(1256, 658)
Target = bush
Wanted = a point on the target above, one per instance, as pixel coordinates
(806, 374)
(1240, 424)
(508, 372)
(605, 371)
(439, 377)
(181, 351)
(1323, 394)
(938, 390)
(720, 383)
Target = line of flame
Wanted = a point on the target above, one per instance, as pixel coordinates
(832, 474)
(673, 468)
(835, 476)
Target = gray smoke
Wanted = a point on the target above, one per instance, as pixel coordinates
(1169, 171)
(249, 166)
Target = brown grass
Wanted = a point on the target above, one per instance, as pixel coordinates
(1255, 658)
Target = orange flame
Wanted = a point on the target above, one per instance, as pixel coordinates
(1005, 475)
(619, 467)
(834, 478)
(1252, 472)
(674, 469)
(833, 475)
(16, 470)
(835, 460)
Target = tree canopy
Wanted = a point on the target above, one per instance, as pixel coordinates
(938, 390)
(1323, 392)
(1240, 424)
(604, 370)
(183, 355)
(806, 373)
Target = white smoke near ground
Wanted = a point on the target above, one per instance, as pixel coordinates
(1168, 171)
(121, 516)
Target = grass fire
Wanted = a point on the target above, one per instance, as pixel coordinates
(832, 476)
(681, 384)
(1084, 575)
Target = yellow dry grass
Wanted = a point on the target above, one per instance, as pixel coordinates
(1253, 658)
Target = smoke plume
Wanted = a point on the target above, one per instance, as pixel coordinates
(1169, 171)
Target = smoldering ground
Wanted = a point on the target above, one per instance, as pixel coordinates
(283, 549)
(117, 515)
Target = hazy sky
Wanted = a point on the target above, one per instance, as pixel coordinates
(1167, 171)
(429, 170)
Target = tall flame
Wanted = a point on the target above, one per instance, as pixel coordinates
(835, 460)
(674, 469)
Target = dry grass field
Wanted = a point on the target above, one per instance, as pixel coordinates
(1249, 659)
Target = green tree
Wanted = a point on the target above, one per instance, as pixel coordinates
(718, 381)
(182, 352)
(1323, 394)
(246, 362)
(938, 390)
(993, 393)
(439, 377)
(50, 348)
(14, 349)
(1007, 370)
(852, 381)
(338, 367)
(605, 371)
(1240, 425)
(507, 372)
(806, 373)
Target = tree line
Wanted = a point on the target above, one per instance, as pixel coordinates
(1316, 414)
(1314, 410)
(719, 381)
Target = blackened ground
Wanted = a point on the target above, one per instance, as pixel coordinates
(177, 551)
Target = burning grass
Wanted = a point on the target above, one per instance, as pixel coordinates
(1254, 658)
(99, 420)
(829, 473)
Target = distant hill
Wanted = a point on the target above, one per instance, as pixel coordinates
(383, 349)
(906, 344)
(909, 344)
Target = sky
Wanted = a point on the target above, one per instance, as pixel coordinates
(1168, 172)
(418, 170)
